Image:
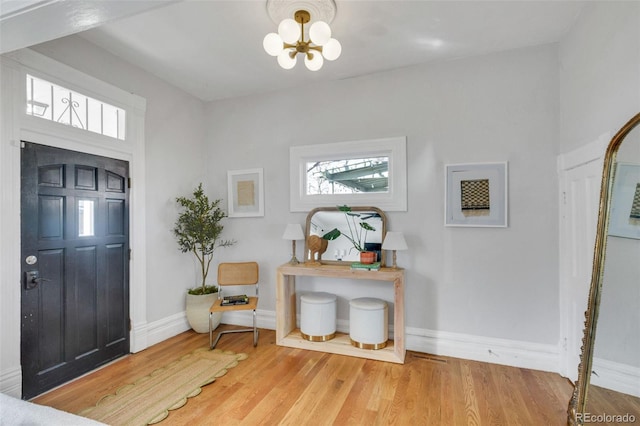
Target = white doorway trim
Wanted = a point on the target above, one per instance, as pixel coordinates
(17, 126)
(580, 175)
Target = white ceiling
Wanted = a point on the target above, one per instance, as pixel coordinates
(24, 23)
(213, 48)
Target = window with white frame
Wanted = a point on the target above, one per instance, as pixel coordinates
(55, 103)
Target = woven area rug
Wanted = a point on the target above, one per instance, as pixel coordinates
(148, 400)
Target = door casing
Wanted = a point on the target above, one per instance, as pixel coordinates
(15, 125)
(580, 173)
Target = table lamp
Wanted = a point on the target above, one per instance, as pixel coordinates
(293, 232)
(394, 241)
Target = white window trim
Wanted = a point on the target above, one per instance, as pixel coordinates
(395, 148)
(16, 125)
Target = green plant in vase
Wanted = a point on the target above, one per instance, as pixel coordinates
(198, 230)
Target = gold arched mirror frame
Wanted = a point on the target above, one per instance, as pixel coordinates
(322, 219)
(578, 403)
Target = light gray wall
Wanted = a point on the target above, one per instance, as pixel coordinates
(600, 92)
(174, 133)
(599, 72)
(503, 107)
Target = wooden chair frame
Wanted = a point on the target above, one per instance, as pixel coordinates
(236, 274)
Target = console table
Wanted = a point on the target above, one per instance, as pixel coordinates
(288, 335)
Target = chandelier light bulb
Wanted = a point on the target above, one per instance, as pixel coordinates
(303, 36)
(315, 62)
(320, 33)
(285, 60)
(273, 44)
(289, 30)
(332, 50)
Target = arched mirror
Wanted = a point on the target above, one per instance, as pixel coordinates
(608, 386)
(341, 250)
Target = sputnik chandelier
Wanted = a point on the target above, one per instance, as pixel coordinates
(289, 41)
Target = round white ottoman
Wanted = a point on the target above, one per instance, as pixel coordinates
(368, 323)
(318, 316)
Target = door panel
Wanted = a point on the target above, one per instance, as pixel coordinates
(75, 297)
(52, 320)
(51, 224)
(580, 187)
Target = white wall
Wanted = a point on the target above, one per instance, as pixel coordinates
(599, 72)
(599, 92)
(174, 136)
(488, 283)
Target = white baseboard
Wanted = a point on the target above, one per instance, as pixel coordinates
(616, 376)
(514, 353)
(265, 319)
(165, 328)
(138, 337)
(11, 382)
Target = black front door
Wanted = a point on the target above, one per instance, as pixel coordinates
(75, 264)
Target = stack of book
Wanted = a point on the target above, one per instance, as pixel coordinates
(241, 299)
(366, 266)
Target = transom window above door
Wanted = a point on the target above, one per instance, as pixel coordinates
(55, 103)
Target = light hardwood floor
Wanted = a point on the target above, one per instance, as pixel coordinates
(602, 401)
(279, 385)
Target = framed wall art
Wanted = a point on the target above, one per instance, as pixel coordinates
(624, 216)
(246, 193)
(476, 194)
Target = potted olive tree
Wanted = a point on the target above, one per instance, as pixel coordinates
(198, 231)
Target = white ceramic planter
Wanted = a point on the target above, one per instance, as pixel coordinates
(198, 312)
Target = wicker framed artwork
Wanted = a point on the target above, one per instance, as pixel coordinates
(476, 194)
(246, 193)
(624, 216)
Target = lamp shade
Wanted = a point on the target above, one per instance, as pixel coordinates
(316, 61)
(293, 232)
(273, 44)
(332, 50)
(320, 33)
(285, 60)
(289, 30)
(394, 241)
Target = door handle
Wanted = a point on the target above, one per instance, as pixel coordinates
(32, 279)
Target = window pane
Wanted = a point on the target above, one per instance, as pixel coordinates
(86, 218)
(40, 105)
(109, 121)
(94, 116)
(348, 176)
(79, 110)
(61, 111)
(121, 124)
(55, 103)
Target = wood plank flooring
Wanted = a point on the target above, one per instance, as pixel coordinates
(287, 386)
(602, 402)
